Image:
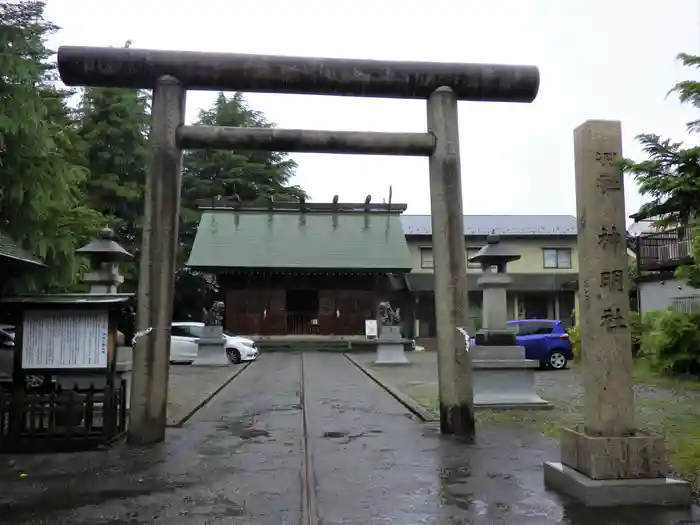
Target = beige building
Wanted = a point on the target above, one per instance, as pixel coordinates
(544, 278)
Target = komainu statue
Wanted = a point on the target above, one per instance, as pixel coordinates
(387, 315)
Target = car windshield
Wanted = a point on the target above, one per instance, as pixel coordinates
(228, 334)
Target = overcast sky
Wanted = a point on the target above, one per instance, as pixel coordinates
(598, 59)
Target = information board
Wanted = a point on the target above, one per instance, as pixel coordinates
(65, 339)
(371, 329)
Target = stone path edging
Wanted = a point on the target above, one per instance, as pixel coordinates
(411, 404)
(202, 404)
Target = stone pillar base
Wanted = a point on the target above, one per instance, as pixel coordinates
(391, 353)
(390, 347)
(504, 379)
(641, 456)
(211, 352)
(667, 492)
(608, 471)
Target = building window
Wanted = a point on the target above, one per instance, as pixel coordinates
(556, 257)
(471, 252)
(426, 257)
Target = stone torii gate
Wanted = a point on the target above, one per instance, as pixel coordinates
(171, 73)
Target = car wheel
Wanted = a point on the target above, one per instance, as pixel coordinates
(234, 355)
(557, 360)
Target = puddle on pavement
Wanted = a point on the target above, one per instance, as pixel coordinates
(454, 475)
(243, 430)
(69, 498)
(334, 434)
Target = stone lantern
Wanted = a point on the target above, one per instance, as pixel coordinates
(105, 254)
(494, 258)
(503, 377)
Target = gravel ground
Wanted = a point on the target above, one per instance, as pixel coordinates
(667, 407)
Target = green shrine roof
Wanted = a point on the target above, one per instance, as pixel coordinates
(314, 239)
(9, 249)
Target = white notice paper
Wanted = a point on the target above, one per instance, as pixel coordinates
(65, 339)
(371, 329)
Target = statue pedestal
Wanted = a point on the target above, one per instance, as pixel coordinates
(212, 348)
(390, 347)
(504, 379)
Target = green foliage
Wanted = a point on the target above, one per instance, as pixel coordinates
(671, 174)
(575, 338)
(632, 273)
(42, 205)
(249, 174)
(636, 324)
(114, 125)
(208, 174)
(671, 341)
(688, 91)
(691, 272)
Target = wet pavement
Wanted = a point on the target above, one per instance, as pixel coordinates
(303, 440)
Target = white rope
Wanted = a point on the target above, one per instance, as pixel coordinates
(467, 339)
(138, 335)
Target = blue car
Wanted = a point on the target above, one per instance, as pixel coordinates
(544, 340)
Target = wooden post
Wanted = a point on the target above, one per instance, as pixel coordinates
(149, 385)
(450, 267)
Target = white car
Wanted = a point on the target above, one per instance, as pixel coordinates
(184, 344)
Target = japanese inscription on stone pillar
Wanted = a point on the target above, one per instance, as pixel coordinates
(603, 267)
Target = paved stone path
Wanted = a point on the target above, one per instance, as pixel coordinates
(190, 386)
(294, 439)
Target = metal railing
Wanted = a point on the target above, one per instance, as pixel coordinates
(663, 250)
(689, 304)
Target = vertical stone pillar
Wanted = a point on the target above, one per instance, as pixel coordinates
(149, 387)
(450, 267)
(607, 448)
(602, 236)
(495, 302)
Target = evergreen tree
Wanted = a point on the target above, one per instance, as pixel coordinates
(210, 173)
(42, 205)
(114, 125)
(671, 176)
(249, 174)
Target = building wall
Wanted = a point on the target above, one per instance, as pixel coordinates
(656, 295)
(558, 304)
(530, 250)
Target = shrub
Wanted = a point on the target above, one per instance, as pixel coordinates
(636, 329)
(575, 338)
(670, 340)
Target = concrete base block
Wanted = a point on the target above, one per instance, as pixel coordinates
(616, 492)
(211, 353)
(504, 379)
(391, 354)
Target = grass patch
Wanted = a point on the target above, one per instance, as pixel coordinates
(643, 373)
(675, 416)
